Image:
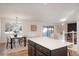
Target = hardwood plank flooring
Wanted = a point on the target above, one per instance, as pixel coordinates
(12, 52)
(19, 53)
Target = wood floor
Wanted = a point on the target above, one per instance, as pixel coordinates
(12, 52)
(19, 53)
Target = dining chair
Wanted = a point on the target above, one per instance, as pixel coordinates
(9, 42)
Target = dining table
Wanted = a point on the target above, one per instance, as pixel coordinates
(19, 37)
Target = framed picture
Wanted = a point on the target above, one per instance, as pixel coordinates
(33, 28)
(12, 26)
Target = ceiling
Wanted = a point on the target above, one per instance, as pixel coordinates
(44, 12)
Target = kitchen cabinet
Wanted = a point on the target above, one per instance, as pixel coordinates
(72, 27)
(35, 49)
(31, 50)
(71, 35)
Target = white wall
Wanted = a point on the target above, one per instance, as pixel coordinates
(27, 28)
(0, 29)
(38, 33)
(26, 24)
(2, 22)
(78, 31)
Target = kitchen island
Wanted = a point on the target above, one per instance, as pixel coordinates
(44, 46)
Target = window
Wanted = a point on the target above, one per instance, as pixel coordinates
(48, 31)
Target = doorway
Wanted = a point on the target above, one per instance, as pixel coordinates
(48, 31)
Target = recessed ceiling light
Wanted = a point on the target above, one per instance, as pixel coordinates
(62, 24)
(63, 20)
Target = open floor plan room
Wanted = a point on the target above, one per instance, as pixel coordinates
(39, 29)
